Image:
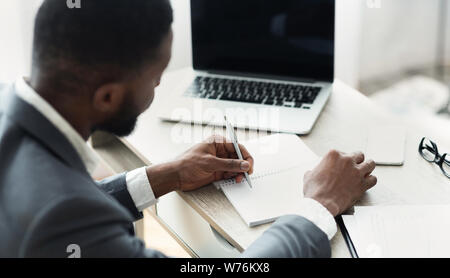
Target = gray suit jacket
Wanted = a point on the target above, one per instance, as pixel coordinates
(48, 201)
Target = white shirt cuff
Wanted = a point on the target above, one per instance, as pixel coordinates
(139, 188)
(319, 215)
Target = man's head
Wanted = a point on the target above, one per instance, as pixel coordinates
(107, 56)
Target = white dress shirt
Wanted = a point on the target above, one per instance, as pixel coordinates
(138, 184)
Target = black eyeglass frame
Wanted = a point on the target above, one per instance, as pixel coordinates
(438, 159)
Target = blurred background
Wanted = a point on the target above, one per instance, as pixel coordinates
(396, 52)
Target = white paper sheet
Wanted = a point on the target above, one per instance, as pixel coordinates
(400, 231)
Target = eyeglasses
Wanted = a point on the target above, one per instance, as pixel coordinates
(429, 151)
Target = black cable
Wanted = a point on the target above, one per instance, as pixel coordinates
(347, 237)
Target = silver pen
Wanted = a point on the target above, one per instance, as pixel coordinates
(233, 137)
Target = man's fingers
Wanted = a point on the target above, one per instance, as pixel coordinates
(358, 157)
(236, 176)
(239, 178)
(250, 160)
(371, 181)
(229, 147)
(231, 165)
(367, 167)
(229, 175)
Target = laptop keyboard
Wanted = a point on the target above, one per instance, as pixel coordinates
(278, 94)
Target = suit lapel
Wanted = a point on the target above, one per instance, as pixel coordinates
(41, 129)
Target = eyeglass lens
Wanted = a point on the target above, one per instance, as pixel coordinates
(428, 151)
(446, 165)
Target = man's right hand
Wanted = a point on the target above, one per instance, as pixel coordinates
(339, 180)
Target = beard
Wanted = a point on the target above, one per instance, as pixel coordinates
(123, 123)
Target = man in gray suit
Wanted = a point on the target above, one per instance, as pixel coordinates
(96, 68)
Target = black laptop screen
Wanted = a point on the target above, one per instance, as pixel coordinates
(292, 38)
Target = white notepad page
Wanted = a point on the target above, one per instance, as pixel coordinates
(409, 231)
(281, 161)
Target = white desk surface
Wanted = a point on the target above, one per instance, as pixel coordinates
(343, 125)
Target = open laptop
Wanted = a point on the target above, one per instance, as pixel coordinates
(266, 65)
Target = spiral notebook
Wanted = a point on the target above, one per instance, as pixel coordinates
(281, 161)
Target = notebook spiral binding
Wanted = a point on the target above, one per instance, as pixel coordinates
(255, 176)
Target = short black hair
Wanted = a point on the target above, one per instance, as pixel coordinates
(103, 39)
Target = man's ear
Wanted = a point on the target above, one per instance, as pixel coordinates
(108, 98)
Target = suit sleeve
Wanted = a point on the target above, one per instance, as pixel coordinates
(116, 186)
(290, 237)
(99, 230)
